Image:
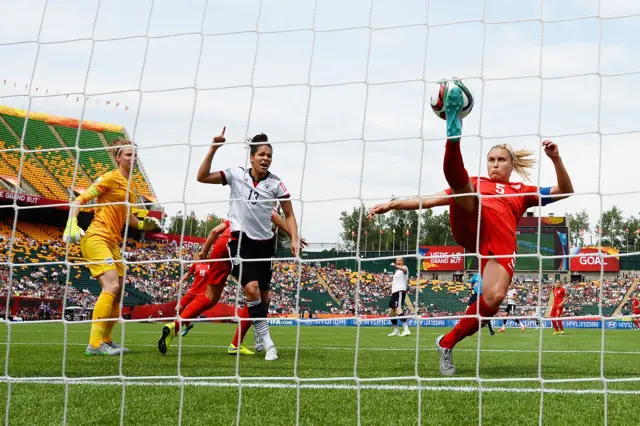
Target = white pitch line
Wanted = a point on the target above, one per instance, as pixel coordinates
(348, 348)
(277, 385)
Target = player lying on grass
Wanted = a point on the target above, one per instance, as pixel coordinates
(499, 216)
(102, 242)
(253, 195)
(208, 286)
(559, 299)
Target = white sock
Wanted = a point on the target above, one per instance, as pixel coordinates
(266, 339)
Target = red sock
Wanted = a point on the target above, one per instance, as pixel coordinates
(560, 325)
(637, 322)
(555, 325)
(467, 326)
(454, 171)
(243, 327)
(194, 309)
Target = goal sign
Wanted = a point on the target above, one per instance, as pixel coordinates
(587, 259)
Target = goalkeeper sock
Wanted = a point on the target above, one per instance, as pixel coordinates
(454, 171)
(102, 310)
(243, 327)
(115, 313)
(394, 322)
(194, 309)
(467, 326)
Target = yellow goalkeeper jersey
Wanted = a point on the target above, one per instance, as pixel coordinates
(109, 220)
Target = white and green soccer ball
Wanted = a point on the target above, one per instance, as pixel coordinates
(439, 96)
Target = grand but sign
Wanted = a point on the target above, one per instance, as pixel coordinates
(442, 258)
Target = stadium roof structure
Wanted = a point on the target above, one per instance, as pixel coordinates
(49, 155)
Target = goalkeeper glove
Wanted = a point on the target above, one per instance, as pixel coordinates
(149, 224)
(72, 233)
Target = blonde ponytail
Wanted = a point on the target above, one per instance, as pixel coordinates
(521, 158)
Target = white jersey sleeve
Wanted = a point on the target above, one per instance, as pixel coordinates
(233, 175)
(281, 191)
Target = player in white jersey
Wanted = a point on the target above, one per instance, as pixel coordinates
(254, 193)
(512, 301)
(539, 314)
(398, 295)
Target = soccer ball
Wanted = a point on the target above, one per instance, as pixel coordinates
(439, 96)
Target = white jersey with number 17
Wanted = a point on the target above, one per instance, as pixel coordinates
(251, 203)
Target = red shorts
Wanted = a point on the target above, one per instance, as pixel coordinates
(557, 311)
(220, 270)
(496, 238)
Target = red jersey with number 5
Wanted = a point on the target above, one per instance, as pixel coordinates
(513, 207)
(558, 295)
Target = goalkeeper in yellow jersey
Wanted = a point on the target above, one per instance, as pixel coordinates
(103, 241)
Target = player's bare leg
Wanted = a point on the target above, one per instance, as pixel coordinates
(496, 280)
(453, 166)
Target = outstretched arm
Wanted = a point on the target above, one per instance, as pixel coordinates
(439, 199)
(292, 225)
(213, 235)
(564, 186)
(204, 172)
(403, 268)
(280, 223)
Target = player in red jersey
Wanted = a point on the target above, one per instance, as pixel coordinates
(207, 286)
(635, 304)
(498, 216)
(559, 299)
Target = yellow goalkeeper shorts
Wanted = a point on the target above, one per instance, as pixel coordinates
(96, 249)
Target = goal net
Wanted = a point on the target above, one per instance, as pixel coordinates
(343, 91)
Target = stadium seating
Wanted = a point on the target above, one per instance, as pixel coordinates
(95, 162)
(440, 296)
(59, 163)
(33, 173)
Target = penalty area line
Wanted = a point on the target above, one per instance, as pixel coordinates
(313, 386)
(347, 348)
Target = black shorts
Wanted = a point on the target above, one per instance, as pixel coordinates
(397, 299)
(251, 270)
(511, 309)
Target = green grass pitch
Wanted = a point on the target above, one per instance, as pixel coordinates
(387, 367)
